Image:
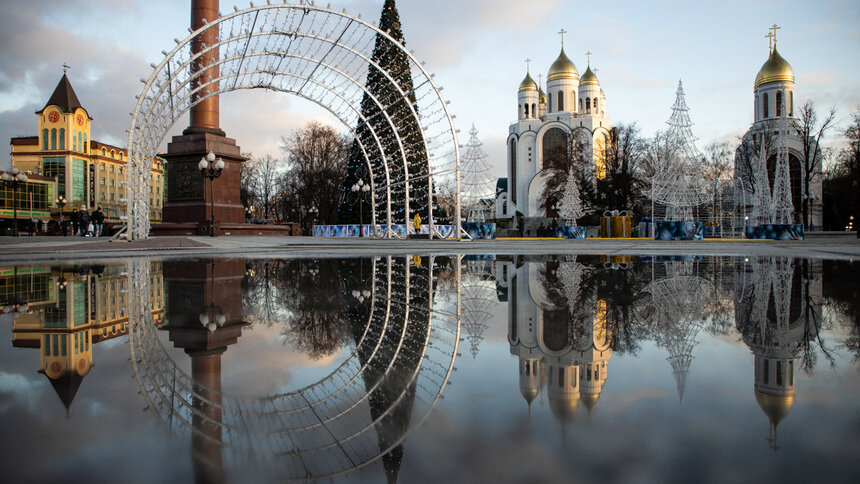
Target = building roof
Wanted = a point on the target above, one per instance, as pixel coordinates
(24, 141)
(64, 96)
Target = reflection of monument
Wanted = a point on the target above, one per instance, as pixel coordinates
(561, 339)
(357, 415)
(777, 311)
(69, 311)
(205, 317)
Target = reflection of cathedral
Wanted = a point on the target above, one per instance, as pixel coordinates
(778, 309)
(562, 341)
(68, 311)
(567, 123)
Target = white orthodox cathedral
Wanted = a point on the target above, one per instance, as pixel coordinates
(572, 105)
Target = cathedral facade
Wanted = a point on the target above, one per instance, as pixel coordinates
(774, 129)
(566, 124)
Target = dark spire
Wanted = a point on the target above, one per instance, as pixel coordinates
(66, 387)
(64, 97)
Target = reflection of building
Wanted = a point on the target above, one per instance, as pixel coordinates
(69, 311)
(777, 310)
(568, 123)
(87, 172)
(562, 340)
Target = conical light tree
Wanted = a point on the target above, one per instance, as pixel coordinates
(476, 182)
(382, 102)
(571, 203)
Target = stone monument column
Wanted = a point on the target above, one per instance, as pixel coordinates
(188, 206)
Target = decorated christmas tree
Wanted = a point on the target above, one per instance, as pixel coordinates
(476, 181)
(384, 102)
(571, 203)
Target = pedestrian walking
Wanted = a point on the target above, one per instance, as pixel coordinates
(99, 220)
(83, 220)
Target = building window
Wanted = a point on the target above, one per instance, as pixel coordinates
(549, 102)
(526, 108)
(113, 154)
(45, 139)
(764, 106)
(791, 103)
(111, 169)
(512, 187)
(588, 105)
(766, 371)
(560, 101)
(778, 103)
(55, 166)
(120, 170)
(85, 143)
(596, 110)
(561, 377)
(62, 138)
(103, 152)
(54, 138)
(534, 110)
(79, 181)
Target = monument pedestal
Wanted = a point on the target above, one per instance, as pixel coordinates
(188, 208)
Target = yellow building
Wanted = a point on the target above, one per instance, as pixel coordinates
(87, 172)
(67, 312)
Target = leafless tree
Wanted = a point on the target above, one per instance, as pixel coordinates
(315, 159)
(811, 156)
(748, 152)
(262, 177)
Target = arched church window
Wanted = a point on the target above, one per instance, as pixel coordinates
(62, 138)
(526, 107)
(512, 188)
(596, 111)
(53, 138)
(580, 105)
(755, 105)
(534, 110)
(791, 103)
(549, 102)
(560, 101)
(528, 368)
(561, 377)
(555, 149)
(764, 106)
(778, 373)
(103, 152)
(588, 105)
(778, 103)
(45, 139)
(766, 371)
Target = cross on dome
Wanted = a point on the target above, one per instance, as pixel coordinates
(773, 29)
(770, 36)
(66, 67)
(527, 64)
(561, 33)
(588, 54)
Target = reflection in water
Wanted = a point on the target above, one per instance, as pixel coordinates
(396, 321)
(64, 311)
(403, 353)
(566, 318)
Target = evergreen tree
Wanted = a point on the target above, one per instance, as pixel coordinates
(571, 204)
(391, 59)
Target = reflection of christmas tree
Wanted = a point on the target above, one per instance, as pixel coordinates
(571, 203)
(677, 302)
(479, 295)
(570, 274)
(475, 179)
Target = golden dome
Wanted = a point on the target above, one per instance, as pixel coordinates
(528, 84)
(564, 408)
(529, 393)
(775, 69)
(541, 96)
(588, 78)
(590, 399)
(775, 407)
(562, 68)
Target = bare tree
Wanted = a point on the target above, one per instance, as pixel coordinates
(316, 159)
(716, 165)
(748, 152)
(623, 185)
(811, 132)
(262, 177)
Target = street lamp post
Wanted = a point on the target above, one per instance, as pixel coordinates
(13, 178)
(360, 189)
(211, 168)
(61, 202)
(313, 212)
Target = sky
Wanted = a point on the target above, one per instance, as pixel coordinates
(477, 50)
